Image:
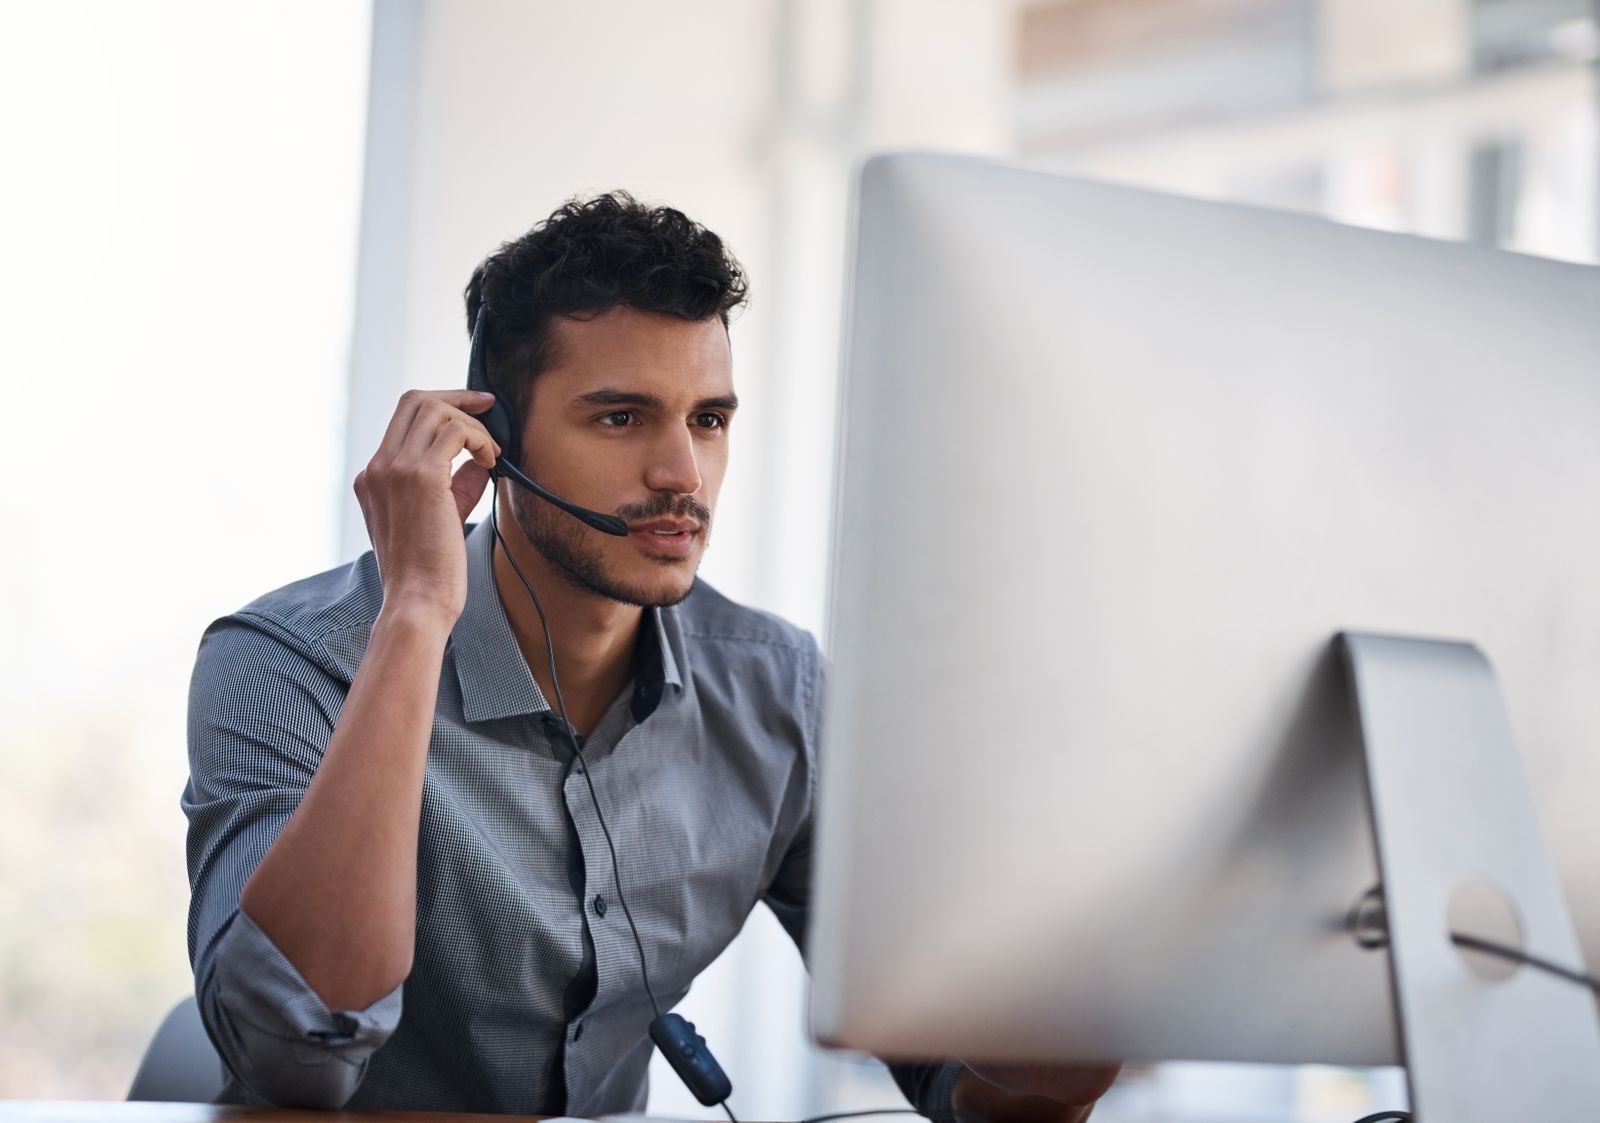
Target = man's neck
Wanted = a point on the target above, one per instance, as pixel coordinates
(594, 636)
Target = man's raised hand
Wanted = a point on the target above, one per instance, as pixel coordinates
(414, 506)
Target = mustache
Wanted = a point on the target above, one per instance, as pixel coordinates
(667, 506)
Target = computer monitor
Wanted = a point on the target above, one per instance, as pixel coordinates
(1116, 471)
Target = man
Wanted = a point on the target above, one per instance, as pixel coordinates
(405, 895)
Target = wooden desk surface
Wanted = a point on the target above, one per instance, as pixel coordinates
(118, 1111)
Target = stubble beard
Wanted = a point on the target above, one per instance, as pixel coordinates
(563, 542)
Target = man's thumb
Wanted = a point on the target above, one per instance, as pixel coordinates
(467, 486)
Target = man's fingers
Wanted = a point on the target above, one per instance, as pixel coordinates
(462, 432)
(438, 433)
(471, 436)
(411, 404)
(467, 486)
(399, 425)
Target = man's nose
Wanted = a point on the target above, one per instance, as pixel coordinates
(674, 466)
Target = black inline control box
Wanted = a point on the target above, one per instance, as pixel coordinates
(686, 1052)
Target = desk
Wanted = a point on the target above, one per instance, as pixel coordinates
(119, 1111)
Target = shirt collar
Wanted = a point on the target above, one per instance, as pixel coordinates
(494, 677)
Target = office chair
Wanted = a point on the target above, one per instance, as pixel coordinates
(180, 1066)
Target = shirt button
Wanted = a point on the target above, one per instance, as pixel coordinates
(577, 1031)
(599, 905)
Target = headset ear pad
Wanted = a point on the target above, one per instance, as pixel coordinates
(499, 419)
(498, 422)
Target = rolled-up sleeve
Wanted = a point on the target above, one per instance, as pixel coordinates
(261, 711)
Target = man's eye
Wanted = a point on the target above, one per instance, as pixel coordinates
(711, 421)
(618, 419)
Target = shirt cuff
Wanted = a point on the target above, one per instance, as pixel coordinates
(279, 1032)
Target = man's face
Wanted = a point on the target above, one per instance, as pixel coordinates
(632, 420)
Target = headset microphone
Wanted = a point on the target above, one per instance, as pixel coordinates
(508, 435)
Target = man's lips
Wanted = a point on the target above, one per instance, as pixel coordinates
(666, 526)
(666, 537)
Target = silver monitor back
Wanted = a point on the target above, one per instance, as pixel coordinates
(1115, 470)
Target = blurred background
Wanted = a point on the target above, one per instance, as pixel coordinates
(234, 233)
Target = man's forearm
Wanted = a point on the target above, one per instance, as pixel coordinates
(336, 892)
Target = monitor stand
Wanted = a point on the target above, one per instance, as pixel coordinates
(1455, 825)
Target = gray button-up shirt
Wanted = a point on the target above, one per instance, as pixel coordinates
(525, 995)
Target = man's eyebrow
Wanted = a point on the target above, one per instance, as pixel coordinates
(610, 397)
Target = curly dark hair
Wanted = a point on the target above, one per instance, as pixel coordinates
(589, 256)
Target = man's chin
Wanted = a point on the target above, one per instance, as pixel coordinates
(660, 589)
(664, 594)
